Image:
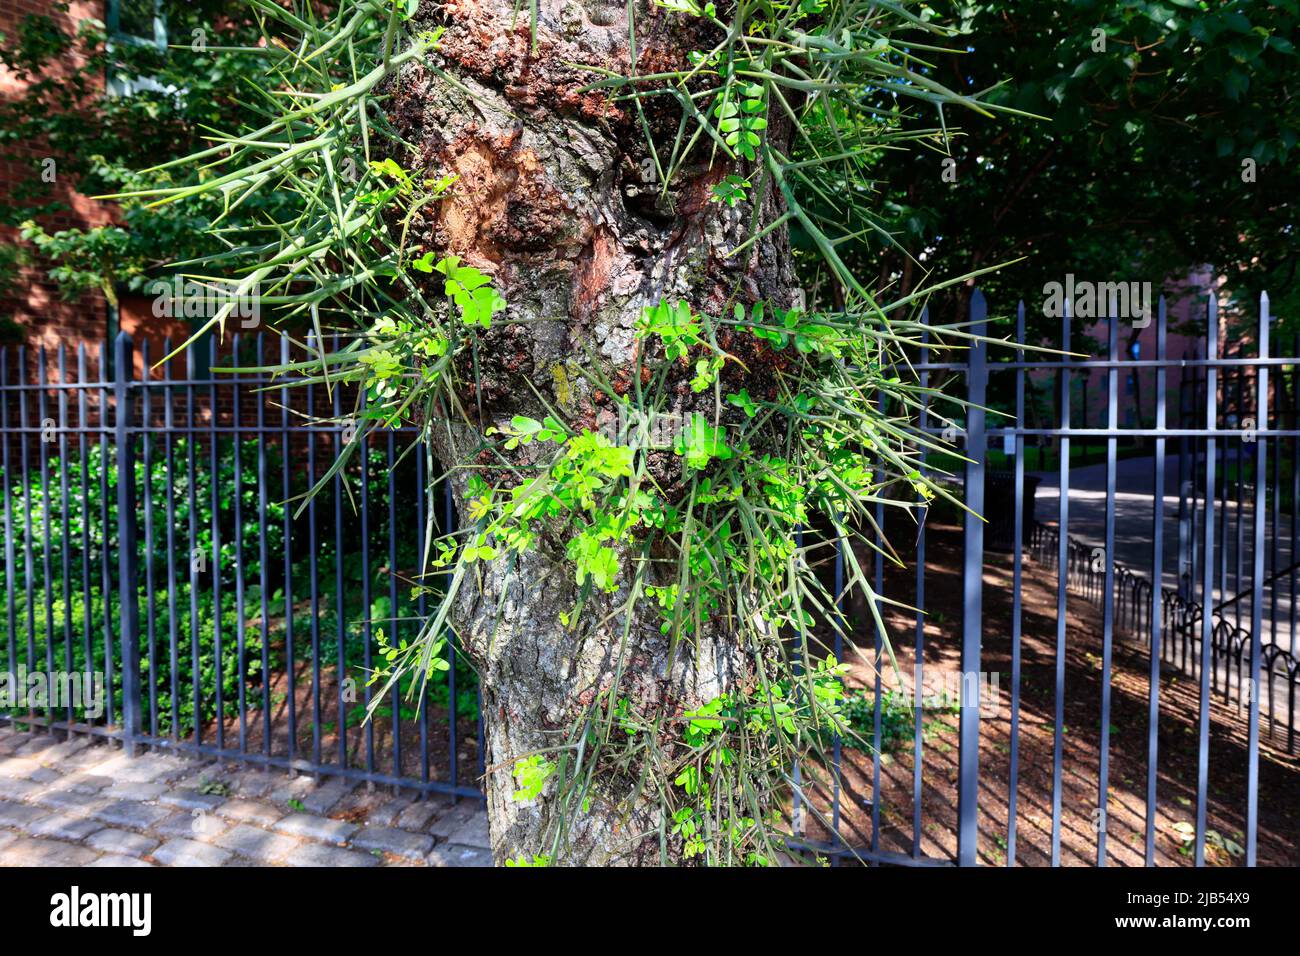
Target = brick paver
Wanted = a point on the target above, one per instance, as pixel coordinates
(135, 816)
(32, 851)
(249, 811)
(118, 862)
(122, 842)
(82, 802)
(191, 800)
(63, 827)
(316, 828)
(414, 846)
(181, 852)
(314, 854)
(258, 844)
(449, 854)
(191, 825)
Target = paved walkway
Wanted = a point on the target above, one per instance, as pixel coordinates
(83, 803)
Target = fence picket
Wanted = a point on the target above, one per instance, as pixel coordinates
(972, 591)
(128, 591)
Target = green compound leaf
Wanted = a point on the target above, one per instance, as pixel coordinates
(675, 325)
(530, 774)
(733, 189)
(700, 443)
(471, 291)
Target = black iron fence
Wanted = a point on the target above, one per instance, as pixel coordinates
(1232, 537)
(153, 534)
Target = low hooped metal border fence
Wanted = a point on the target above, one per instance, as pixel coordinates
(1180, 621)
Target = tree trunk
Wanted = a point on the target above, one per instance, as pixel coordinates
(539, 677)
(557, 199)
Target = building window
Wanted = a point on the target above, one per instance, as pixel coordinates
(134, 23)
(137, 21)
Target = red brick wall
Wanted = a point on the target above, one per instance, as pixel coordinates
(37, 305)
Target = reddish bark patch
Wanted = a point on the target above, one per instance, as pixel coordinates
(503, 200)
(591, 278)
(498, 52)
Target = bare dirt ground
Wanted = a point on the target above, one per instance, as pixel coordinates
(424, 741)
(1177, 762)
(1176, 765)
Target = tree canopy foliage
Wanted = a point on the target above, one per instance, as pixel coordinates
(1138, 170)
(157, 103)
(1144, 114)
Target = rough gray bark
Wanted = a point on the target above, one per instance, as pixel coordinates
(557, 200)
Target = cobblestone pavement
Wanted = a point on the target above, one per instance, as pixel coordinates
(82, 803)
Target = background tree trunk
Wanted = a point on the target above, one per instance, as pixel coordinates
(558, 200)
